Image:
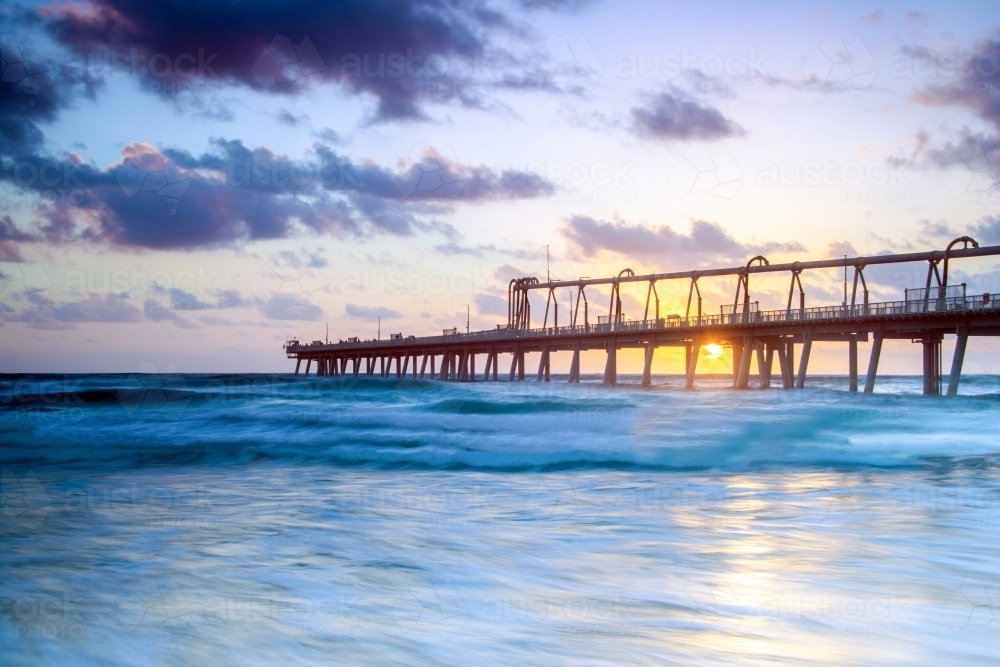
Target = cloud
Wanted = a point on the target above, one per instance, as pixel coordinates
(504, 274)
(43, 313)
(371, 312)
(181, 299)
(286, 306)
(487, 304)
(977, 87)
(401, 53)
(674, 115)
(975, 153)
(230, 298)
(708, 244)
(232, 194)
(987, 230)
(154, 310)
(33, 90)
(840, 248)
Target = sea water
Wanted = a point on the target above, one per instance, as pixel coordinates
(281, 520)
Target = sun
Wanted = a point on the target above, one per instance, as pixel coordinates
(714, 351)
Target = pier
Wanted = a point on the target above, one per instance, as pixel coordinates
(926, 315)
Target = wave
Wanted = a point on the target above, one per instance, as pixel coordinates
(109, 422)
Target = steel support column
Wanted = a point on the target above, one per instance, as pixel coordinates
(743, 378)
(785, 366)
(297, 362)
(692, 366)
(543, 363)
(873, 363)
(611, 366)
(647, 366)
(961, 341)
(852, 364)
(932, 367)
(763, 377)
(574, 366)
(807, 344)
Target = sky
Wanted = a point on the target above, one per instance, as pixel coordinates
(186, 186)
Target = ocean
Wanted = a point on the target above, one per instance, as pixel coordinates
(275, 519)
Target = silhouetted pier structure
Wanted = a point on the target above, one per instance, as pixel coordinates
(925, 316)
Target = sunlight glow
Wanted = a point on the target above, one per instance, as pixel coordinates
(713, 350)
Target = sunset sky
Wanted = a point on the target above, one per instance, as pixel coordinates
(185, 188)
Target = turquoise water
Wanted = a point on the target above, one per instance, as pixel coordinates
(259, 520)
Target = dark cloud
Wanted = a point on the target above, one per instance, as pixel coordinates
(977, 87)
(674, 115)
(987, 230)
(976, 152)
(286, 306)
(403, 52)
(371, 312)
(708, 244)
(234, 194)
(11, 235)
(33, 89)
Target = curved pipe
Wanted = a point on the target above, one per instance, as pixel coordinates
(744, 281)
(967, 240)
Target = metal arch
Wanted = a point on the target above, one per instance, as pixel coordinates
(581, 292)
(859, 272)
(615, 306)
(743, 281)
(967, 241)
(551, 298)
(652, 291)
(518, 305)
(691, 291)
(796, 279)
